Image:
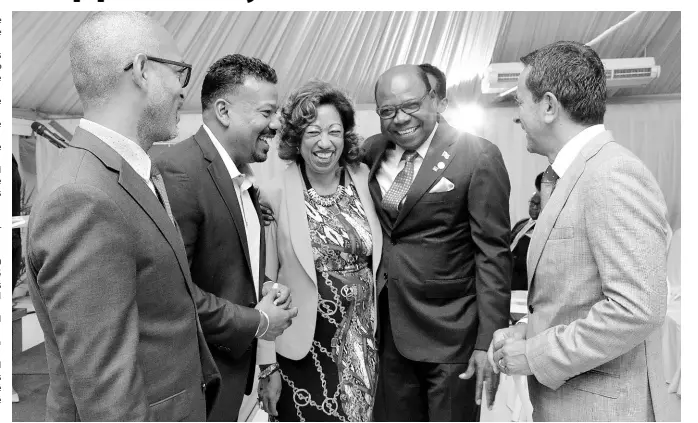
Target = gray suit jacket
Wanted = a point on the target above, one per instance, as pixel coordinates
(597, 292)
(109, 279)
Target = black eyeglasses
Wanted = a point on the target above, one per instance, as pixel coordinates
(409, 107)
(183, 74)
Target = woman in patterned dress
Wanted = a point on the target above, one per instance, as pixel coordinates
(325, 245)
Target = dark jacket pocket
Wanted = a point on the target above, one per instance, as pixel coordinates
(449, 288)
(596, 382)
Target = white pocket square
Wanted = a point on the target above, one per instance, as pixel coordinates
(444, 185)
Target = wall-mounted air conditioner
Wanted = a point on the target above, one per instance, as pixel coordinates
(620, 73)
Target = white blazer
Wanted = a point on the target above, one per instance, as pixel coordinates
(290, 256)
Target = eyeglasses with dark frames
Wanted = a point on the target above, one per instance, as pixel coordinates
(409, 107)
(183, 74)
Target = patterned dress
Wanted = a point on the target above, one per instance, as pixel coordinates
(336, 381)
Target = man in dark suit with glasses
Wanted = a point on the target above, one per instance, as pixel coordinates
(444, 283)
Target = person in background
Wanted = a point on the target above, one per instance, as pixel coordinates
(521, 237)
(215, 202)
(591, 347)
(442, 198)
(107, 269)
(325, 243)
(437, 80)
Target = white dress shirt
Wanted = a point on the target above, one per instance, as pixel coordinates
(242, 182)
(393, 163)
(569, 151)
(131, 152)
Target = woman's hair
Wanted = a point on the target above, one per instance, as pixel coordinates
(300, 111)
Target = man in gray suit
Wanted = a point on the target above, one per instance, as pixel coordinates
(597, 259)
(108, 271)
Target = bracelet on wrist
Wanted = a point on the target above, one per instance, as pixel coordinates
(268, 370)
(262, 316)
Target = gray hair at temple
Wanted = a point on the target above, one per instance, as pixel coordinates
(103, 45)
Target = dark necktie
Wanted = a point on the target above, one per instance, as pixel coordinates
(160, 192)
(547, 186)
(401, 184)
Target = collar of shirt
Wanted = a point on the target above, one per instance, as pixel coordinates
(243, 180)
(569, 151)
(422, 150)
(131, 152)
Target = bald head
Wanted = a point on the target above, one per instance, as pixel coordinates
(413, 72)
(106, 43)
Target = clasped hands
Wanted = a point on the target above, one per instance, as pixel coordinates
(276, 304)
(507, 351)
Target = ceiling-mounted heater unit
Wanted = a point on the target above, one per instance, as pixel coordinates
(620, 73)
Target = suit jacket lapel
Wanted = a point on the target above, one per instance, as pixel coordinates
(254, 194)
(138, 189)
(375, 189)
(563, 189)
(298, 220)
(439, 157)
(221, 178)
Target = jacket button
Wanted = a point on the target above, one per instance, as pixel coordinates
(203, 387)
(530, 309)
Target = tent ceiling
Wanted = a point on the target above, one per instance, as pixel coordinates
(349, 49)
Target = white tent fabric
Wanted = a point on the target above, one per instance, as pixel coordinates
(652, 131)
(349, 49)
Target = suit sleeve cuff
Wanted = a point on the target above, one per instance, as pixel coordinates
(483, 341)
(537, 349)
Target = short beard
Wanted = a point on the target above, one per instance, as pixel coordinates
(259, 157)
(154, 124)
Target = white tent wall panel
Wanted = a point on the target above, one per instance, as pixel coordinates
(652, 131)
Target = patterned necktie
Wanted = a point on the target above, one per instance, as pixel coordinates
(401, 184)
(547, 186)
(160, 192)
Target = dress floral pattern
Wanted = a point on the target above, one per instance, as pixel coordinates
(336, 381)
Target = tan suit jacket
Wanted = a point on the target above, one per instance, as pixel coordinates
(597, 292)
(290, 257)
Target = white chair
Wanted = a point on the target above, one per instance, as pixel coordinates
(673, 273)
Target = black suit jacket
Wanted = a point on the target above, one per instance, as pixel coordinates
(519, 279)
(446, 259)
(204, 203)
(109, 279)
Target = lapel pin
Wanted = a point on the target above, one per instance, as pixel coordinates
(445, 155)
(435, 168)
(441, 165)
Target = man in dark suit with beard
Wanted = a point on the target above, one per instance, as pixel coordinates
(444, 284)
(215, 202)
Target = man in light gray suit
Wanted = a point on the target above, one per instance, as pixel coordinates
(597, 259)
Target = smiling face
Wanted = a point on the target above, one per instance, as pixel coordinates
(253, 120)
(323, 141)
(399, 86)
